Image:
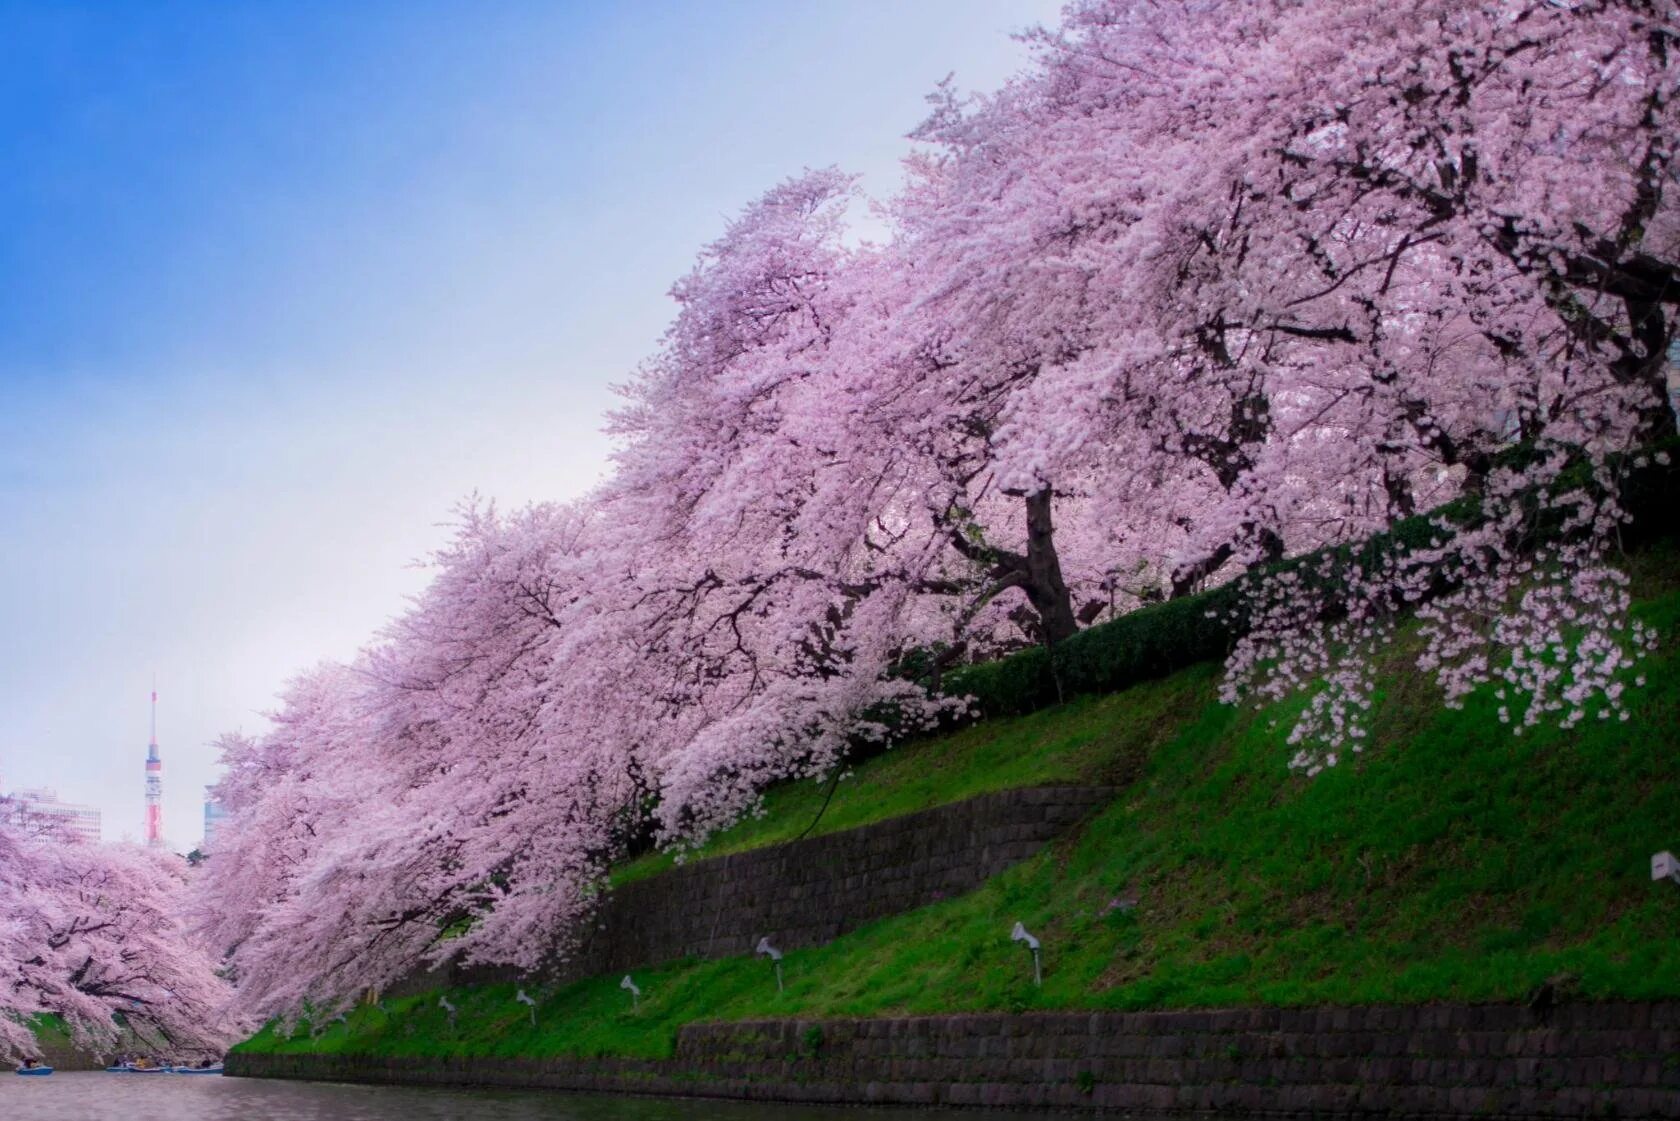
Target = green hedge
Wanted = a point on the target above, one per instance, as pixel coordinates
(1163, 638)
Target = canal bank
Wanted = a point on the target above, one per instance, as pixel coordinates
(54, 1047)
(1609, 1059)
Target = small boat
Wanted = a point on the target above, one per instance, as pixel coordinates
(128, 1069)
(217, 1069)
(37, 1072)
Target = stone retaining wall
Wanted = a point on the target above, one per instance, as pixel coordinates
(1463, 1061)
(63, 1055)
(808, 892)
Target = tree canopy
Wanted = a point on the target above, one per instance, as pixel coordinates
(1211, 284)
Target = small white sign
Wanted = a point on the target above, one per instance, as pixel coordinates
(1665, 867)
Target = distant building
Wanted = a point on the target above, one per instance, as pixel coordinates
(39, 811)
(214, 814)
(154, 785)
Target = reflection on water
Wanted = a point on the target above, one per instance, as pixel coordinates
(71, 1096)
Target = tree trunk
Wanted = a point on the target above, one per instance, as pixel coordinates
(1402, 503)
(1046, 589)
(1657, 421)
(1187, 578)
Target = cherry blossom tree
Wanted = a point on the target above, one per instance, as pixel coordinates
(1318, 255)
(92, 934)
(764, 633)
(1211, 285)
(421, 803)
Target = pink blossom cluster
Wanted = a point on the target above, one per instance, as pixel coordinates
(1210, 285)
(1544, 618)
(94, 935)
(1550, 627)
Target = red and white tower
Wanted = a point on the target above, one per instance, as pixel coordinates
(154, 785)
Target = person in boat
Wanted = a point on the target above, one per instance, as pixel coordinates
(30, 1064)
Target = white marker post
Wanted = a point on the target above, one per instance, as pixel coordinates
(775, 955)
(1019, 934)
(443, 1003)
(524, 998)
(635, 993)
(1664, 866)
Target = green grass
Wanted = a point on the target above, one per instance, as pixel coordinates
(1452, 860)
(51, 1031)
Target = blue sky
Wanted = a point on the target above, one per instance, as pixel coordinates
(280, 283)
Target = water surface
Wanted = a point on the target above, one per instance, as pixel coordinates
(90, 1096)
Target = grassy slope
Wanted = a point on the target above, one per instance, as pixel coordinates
(1454, 861)
(1098, 740)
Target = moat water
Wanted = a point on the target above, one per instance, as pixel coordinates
(78, 1096)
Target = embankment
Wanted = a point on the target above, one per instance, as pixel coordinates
(1489, 1061)
(812, 891)
(1374, 935)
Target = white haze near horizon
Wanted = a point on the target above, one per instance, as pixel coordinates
(283, 292)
